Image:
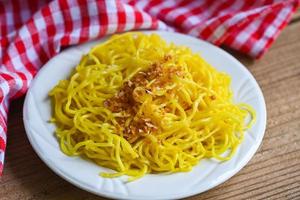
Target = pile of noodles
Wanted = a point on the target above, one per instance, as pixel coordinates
(138, 105)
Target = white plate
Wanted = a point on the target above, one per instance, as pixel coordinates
(84, 174)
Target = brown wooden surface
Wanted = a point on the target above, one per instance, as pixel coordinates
(273, 173)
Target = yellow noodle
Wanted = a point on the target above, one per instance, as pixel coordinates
(192, 116)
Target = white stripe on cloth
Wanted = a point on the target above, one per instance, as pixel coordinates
(193, 19)
(271, 30)
(246, 33)
(243, 15)
(30, 50)
(5, 87)
(141, 4)
(94, 27)
(112, 25)
(130, 19)
(147, 21)
(177, 11)
(206, 23)
(2, 133)
(59, 26)
(76, 23)
(155, 10)
(40, 25)
(1, 158)
(18, 66)
(222, 28)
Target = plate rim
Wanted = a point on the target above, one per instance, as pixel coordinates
(108, 194)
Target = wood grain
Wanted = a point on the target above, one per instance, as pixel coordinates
(273, 173)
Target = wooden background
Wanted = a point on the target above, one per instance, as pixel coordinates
(273, 173)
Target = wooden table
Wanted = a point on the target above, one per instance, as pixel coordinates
(273, 173)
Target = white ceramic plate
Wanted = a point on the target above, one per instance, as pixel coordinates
(84, 174)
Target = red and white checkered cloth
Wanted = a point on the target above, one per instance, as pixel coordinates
(32, 31)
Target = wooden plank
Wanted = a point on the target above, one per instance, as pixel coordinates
(273, 173)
